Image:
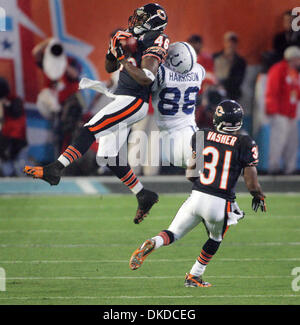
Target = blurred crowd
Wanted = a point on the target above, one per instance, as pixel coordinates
(276, 95)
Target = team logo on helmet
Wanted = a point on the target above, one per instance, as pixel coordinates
(219, 111)
(149, 17)
(181, 57)
(173, 60)
(161, 14)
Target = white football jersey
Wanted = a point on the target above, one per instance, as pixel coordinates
(174, 97)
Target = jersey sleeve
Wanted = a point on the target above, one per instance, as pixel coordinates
(202, 71)
(249, 152)
(159, 80)
(156, 45)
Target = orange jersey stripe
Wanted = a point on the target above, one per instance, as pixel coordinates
(228, 207)
(225, 231)
(228, 210)
(116, 118)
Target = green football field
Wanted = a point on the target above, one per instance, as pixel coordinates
(75, 250)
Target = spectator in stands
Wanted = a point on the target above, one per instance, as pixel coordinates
(287, 37)
(211, 93)
(230, 67)
(12, 129)
(61, 95)
(204, 59)
(282, 97)
(282, 40)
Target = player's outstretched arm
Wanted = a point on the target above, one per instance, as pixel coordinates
(251, 181)
(144, 75)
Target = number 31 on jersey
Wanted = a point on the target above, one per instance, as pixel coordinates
(212, 167)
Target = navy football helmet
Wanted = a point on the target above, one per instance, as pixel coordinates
(228, 116)
(149, 17)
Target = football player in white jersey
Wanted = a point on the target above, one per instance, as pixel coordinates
(174, 96)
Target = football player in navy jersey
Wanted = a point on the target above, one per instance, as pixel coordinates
(130, 105)
(226, 155)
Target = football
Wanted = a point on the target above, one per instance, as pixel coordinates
(129, 45)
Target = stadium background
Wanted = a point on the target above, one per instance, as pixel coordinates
(85, 29)
(59, 246)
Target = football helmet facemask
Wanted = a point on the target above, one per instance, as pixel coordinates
(181, 57)
(149, 17)
(228, 116)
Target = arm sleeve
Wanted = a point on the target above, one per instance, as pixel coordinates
(159, 80)
(249, 152)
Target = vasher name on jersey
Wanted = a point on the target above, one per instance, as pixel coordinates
(191, 76)
(221, 138)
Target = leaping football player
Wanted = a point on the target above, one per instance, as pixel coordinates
(174, 97)
(131, 103)
(212, 201)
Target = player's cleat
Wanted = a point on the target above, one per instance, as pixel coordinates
(50, 173)
(139, 255)
(195, 281)
(146, 199)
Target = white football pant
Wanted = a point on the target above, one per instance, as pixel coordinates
(202, 207)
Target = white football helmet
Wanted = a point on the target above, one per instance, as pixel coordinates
(181, 57)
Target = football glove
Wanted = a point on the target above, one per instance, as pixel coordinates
(115, 45)
(258, 201)
(120, 35)
(118, 52)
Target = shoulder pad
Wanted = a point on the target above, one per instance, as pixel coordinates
(246, 140)
(201, 69)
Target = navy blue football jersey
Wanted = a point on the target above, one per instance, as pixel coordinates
(153, 43)
(225, 156)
